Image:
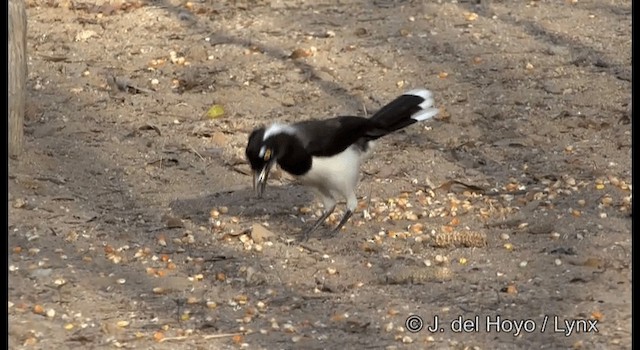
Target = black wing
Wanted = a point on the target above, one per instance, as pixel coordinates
(323, 138)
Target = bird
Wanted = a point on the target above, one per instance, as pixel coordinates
(325, 155)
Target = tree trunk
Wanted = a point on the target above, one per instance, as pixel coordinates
(17, 74)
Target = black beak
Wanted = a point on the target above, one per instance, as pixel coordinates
(260, 179)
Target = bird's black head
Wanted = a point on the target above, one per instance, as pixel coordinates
(280, 146)
(260, 159)
(262, 155)
(253, 149)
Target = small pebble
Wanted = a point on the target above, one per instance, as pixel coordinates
(558, 262)
(60, 282)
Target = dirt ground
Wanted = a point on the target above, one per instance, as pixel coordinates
(133, 223)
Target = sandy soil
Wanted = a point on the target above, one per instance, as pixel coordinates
(133, 223)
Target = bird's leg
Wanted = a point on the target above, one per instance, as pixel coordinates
(344, 220)
(325, 215)
(329, 206)
(352, 202)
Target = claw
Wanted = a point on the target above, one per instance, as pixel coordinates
(307, 232)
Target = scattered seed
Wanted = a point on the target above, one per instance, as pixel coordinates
(300, 53)
(38, 309)
(511, 289)
(31, 341)
(158, 336)
(220, 276)
(470, 16)
(597, 315)
(606, 200)
(159, 290)
(241, 299)
(296, 338)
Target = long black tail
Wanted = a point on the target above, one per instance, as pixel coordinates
(413, 106)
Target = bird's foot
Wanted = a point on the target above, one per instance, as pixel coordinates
(304, 236)
(342, 222)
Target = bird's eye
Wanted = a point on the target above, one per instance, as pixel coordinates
(267, 154)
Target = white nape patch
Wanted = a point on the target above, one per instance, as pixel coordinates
(425, 114)
(426, 95)
(277, 128)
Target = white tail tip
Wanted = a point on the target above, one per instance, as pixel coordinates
(427, 111)
(425, 114)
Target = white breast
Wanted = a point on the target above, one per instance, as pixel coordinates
(337, 175)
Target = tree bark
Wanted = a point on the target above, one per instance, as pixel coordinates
(17, 75)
